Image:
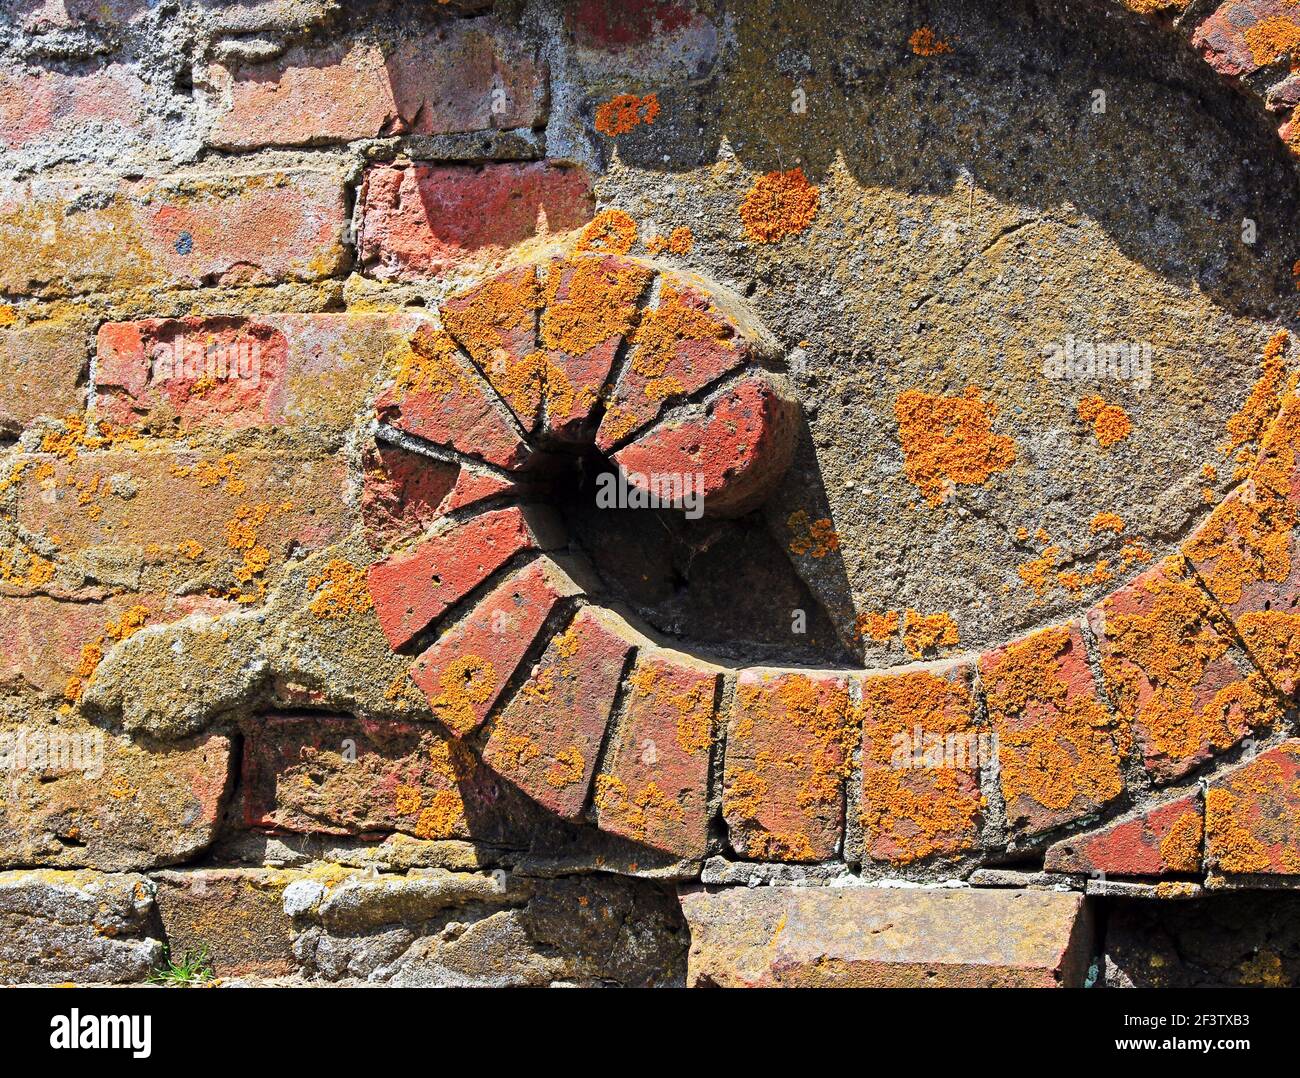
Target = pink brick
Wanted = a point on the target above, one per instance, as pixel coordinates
(465, 672)
(1159, 841)
(414, 587)
(472, 75)
(547, 738)
(735, 448)
(790, 739)
(65, 237)
(1226, 41)
(423, 220)
(43, 107)
(654, 787)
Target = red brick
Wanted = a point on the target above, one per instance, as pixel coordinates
(922, 749)
(1252, 816)
(40, 366)
(734, 449)
(1059, 747)
(413, 588)
(591, 305)
(424, 220)
(39, 108)
(433, 84)
(613, 24)
(186, 230)
(790, 740)
(547, 738)
(654, 787)
(436, 398)
(473, 487)
(321, 774)
(1171, 670)
(1158, 841)
(1225, 38)
(465, 672)
(299, 370)
(690, 339)
(496, 323)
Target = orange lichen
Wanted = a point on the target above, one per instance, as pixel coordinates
(609, 232)
(949, 440)
(1108, 522)
(23, 568)
(427, 364)
(1109, 422)
(678, 242)
(694, 705)
(674, 322)
(445, 812)
(406, 800)
(925, 42)
(1261, 406)
(621, 114)
(127, 625)
(779, 204)
(1180, 849)
(339, 589)
(926, 632)
(912, 814)
(567, 767)
(1272, 38)
(1037, 573)
(815, 538)
(878, 626)
(467, 681)
(636, 813)
(1157, 660)
(1057, 743)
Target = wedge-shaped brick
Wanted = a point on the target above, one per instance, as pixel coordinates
(337, 775)
(790, 738)
(1059, 748)
(654, 787)
(591, 305)
(412, 588)
(732, 449)
(921, 756)
(865, 937)
(688, 340)
(1172, 671)
(1252, 816)
(464, 673)
(1247, 556)
(547, 738)
(437, 399)
(1156, 842)
(496, 323)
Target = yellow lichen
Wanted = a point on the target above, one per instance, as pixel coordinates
(814, 538)
(949, 440)
(779, 204)
(1110, 423)
(926, 632)
(340, 589)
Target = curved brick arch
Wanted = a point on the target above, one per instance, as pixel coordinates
(517, 655)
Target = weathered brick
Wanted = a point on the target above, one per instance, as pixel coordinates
(1155, 842)
(654, 786)
(1172, 671)
(590, 306)
(66, 237)
(790, 739)
(922, 750)
(40, 108)
(496, 323)
(83, 927)
(298, 370)
(436, 398)
(472, 75)
(464, 673)
(689, 339)
(423, 220)
(402, 492)
(1059, 746)
(1231, 43)
(78, 798)
(547, 738)
(863, 937)
(734, 449)
(321, 774)
(40, 367)
(413, 588)
(235, 915)
(1252, 815)
(246, 512)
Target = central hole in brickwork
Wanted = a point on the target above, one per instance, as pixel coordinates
(723, 587)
